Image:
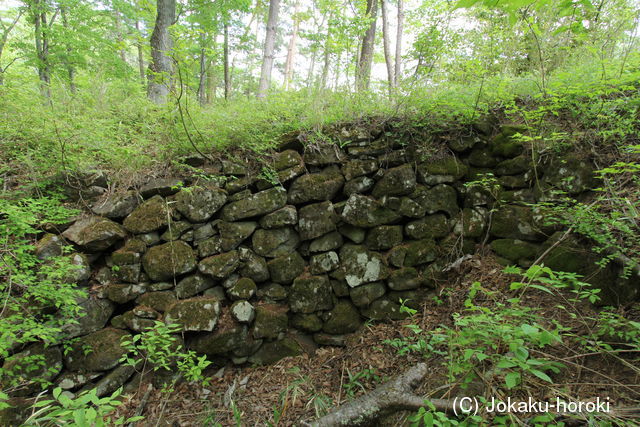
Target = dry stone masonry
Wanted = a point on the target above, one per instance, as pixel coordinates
(254, 270)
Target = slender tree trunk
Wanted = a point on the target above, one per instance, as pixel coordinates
(398, 69)
(6, 29)
(291, 50)
(227, 76)
(42, 48)
(312, 68)
(385, 43)
(161, 67)
(211, 84)
(71, 72)
(363, 74)
(140, 53)
(202, 95)
(269, 48)
(327, 54)
(120, 36)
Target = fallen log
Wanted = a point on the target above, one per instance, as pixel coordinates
(395, 395)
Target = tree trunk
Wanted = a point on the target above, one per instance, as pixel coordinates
(269, 48)
(140, 53)
(363, 75)
(202, 83)
(71, 72)
(227, 76)
(327, 55)
(6, 29)
(120, 37)
(161, 67)
(398, 70)
(291, 50)
(42, 47)
(385, 43)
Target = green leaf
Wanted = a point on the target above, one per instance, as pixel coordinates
(512, 379)
(541, 375)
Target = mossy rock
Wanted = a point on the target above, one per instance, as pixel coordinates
(419, 252)
(383, 309)
(257, 204)
(271, 352)
(363, 211)
(472, 222)
(243, 289)
(164, 262)
(150, 216)
(505, 145)
(316, 186)
(515, 222)
(280, 218)
(276, 242)
(271, 320)
(410, 208)
(405, 279)
(343, 318)
(286, 159)
(94, 233)
(316, 220)
(175, 230)
(398, 181)
(364, 295)
(195, 314)
(117, 205)
(193, 285)
(384, 237)
(243, 311)
(272, 292)
(220, 266)
(513, 249)
(442, 171)
(355, 168)
(483, 158)
(255, 267)
(515, 166)
(286, 268)
(432, 226)
(122, 293)
(306, 322)
(323, 263)
(570, 174)
(160, 300)
(221, 342)
(33, 368)
(95, 315)
(359, 185)
(360, 266)
(49, 246)
(328, 242)
(98, 351)
(353, 233)
(199, 203)
(441, 198)
(310, 294)
(161, 186)
(234, 233)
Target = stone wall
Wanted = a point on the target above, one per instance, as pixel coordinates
(258, 267)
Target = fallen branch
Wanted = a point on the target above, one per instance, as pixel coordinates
(395, 395)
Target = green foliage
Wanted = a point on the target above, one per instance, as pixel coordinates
(357, 381)
(158, 348)
(38, 298)
(85, 410)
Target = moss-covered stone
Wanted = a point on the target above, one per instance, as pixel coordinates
(398, 181)
(243, 289)
(272, 292)
(353, 233)
(117, 205)
(515, 166)
(160, 186)
(323, 154)
(441, 198)
(226, 339)
(442, 171)
(114, 380)
(328, 242)
(271, 320)
(364, 295)
(363, 211)
(195, 314)
(343, 318)
(98, 351)
(515, 222)
(199, 203)
(34, 366)
(280, 218)
(482, 157)
(514, 181)
(410, 208)
(122, 293)
(193, 285)
(384, 237)
(95, 315)
(286, 268)
(420, 252)
(159, 301)
(570, 174)
(260, 203)
(169, 260)
(360, 266)
(94, 233)
(472, 222)
(316, 220)
(432, 226)
(316, 186)
(271, 352)
(355, 168)
(234, 233)
(306, 322)
(310, 294)
(324, 262)
(405, 279)
(383, 309)
(359, 185)
(49, 246)
(286, 159)
(135, 323)
(210, 246)
(513, 249)
(175, 230)
(150, 216)
(220, 266)
(243, 311)
(276, 242)
(255, 268)
(505, 145)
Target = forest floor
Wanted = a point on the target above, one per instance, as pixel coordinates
(297, 390)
